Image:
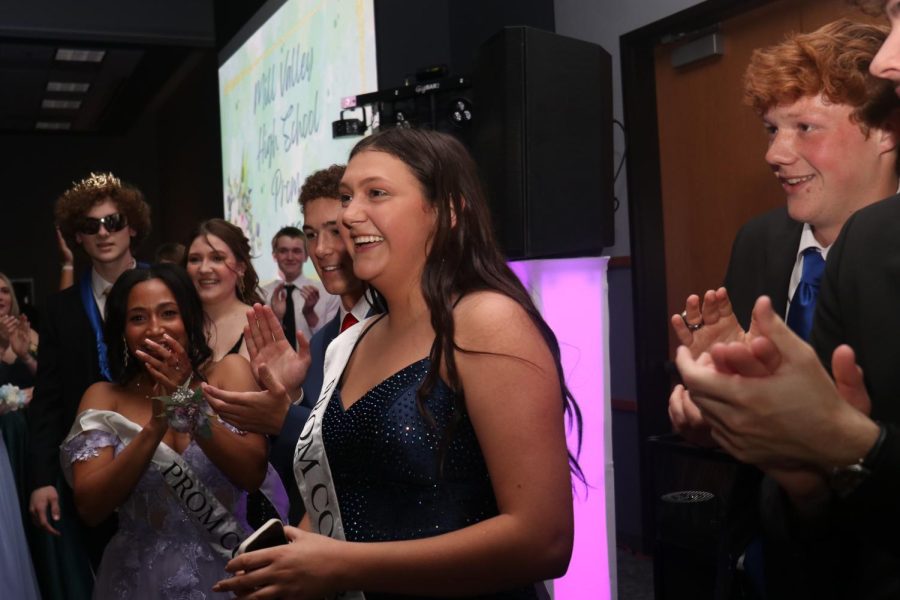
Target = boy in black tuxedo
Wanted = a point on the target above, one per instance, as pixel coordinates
(106, 218)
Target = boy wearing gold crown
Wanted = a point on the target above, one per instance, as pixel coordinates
(106, 218)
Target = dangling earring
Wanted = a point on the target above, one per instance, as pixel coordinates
(124, 352)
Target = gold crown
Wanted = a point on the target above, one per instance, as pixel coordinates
(96, 181)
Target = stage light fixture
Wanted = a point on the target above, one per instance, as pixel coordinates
(349, 127)
(423, 104)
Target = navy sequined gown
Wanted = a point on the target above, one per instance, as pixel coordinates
(384, 462)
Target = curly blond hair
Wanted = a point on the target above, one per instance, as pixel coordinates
(72, 206)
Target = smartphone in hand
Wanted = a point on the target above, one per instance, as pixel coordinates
(269, 535)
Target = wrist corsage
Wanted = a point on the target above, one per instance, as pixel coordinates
(11, 398)
(186, 410)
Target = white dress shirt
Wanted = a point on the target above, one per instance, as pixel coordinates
(326, 307)
(100, 288)
(360, 310)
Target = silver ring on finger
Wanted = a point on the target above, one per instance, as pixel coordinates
(691, 326)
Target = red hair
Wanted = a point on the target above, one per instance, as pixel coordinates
(833, 61)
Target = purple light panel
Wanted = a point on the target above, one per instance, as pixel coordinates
(571, 294)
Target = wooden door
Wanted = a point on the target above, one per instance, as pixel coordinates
(713, 174)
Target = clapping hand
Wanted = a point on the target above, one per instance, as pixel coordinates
(5, 333)
(702, 325)
(770, 402)
(310, 298)
(167, 362)
(687, 419)
(260, 412)
(698, 327)
(277, 368)
(16, 331)
(278, 303)
(267, 345)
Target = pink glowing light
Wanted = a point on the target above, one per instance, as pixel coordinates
(571, 294)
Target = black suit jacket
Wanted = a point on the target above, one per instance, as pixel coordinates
(852, 551)
(762, 258)
(281, 453)
(859, 305)
(67, 366)
(312, 385)
(859, 302)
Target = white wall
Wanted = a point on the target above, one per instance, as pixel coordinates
(602, 22)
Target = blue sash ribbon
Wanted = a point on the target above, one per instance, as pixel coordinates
(93, 315)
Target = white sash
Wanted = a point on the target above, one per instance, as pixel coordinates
(310, 462)
(218, 526)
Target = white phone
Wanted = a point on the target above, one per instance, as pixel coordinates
(269, 535)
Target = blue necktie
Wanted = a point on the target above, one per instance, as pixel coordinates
(803, 304)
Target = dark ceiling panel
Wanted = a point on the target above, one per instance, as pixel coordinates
(145, 43)
(23, 54)
(121, 85)
(163, 22)
(29, 88)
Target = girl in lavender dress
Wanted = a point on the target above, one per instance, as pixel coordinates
(175, 477)
(16, 571)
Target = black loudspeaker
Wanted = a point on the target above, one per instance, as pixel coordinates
(706, 507)
(544, 142)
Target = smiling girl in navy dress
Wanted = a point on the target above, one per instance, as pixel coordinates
(444, 432)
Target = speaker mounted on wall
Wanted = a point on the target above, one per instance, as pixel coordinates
(544, 143)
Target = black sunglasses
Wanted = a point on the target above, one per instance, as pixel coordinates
(113, 223)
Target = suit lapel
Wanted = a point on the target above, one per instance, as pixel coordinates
(332, 329)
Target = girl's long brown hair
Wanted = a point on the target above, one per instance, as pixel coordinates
(464, 257)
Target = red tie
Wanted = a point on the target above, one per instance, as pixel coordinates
(348, 322)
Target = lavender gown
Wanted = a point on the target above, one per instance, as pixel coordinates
(156, 553)
(16, 570)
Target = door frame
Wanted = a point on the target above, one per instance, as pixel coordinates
(651, 325)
